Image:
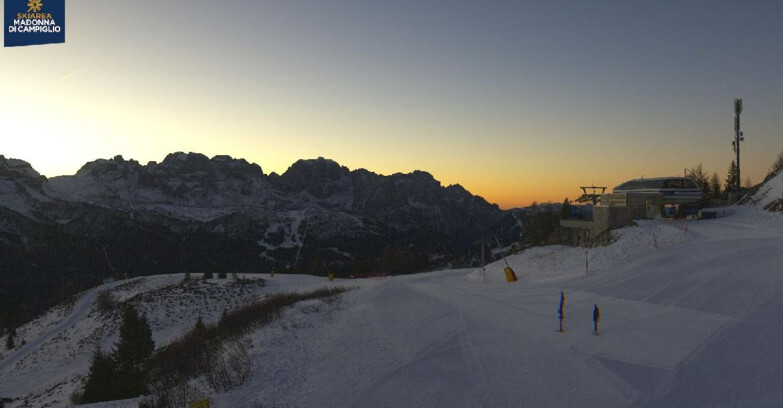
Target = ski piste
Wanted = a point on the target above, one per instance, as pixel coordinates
(679, 313)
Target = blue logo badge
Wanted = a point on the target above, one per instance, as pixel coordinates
(32, 22)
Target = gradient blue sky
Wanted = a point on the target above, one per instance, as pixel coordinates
(516, 101)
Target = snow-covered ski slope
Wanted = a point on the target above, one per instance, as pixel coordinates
(694, 321)
(692, 316)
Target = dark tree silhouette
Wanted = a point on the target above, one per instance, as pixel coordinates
(101, 379)
(132, 353)
(731, 178)
(9, 341)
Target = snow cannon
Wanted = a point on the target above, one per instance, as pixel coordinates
(510, 275)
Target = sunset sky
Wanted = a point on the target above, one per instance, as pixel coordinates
(516, 101)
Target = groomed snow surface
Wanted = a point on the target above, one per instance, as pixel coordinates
(692, 316)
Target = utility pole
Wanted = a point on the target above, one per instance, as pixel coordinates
(738, 137)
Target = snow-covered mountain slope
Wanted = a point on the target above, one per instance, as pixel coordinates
(769, 195)
(692, 321)
(189, 212)
(57, 347)
(184, 186)
(192, 187)
(20, 187)
(690, 317)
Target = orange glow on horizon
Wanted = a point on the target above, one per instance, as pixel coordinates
(507, 190)
(511, 136)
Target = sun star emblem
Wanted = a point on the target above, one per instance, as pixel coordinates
(35, 5)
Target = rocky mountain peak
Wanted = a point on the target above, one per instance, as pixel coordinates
(197, 164)
(102, 167)
(319, 168)
(321, 178)
(191, 213)
(235, 167)
(187, 163)
(16, 167)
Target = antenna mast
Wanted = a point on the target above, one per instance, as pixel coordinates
(738, 137)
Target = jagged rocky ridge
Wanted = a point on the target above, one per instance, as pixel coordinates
(118, 217)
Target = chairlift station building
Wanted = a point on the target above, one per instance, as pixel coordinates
(632, 200)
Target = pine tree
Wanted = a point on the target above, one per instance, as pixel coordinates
(698, 175)
(199, 329)
(122, 373)
(731, 178)
(715, 187)
(10, 341)
(132, 353)
(565, 210)
(66, 291)
(101, 379)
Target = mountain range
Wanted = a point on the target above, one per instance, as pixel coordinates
(190, 213)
